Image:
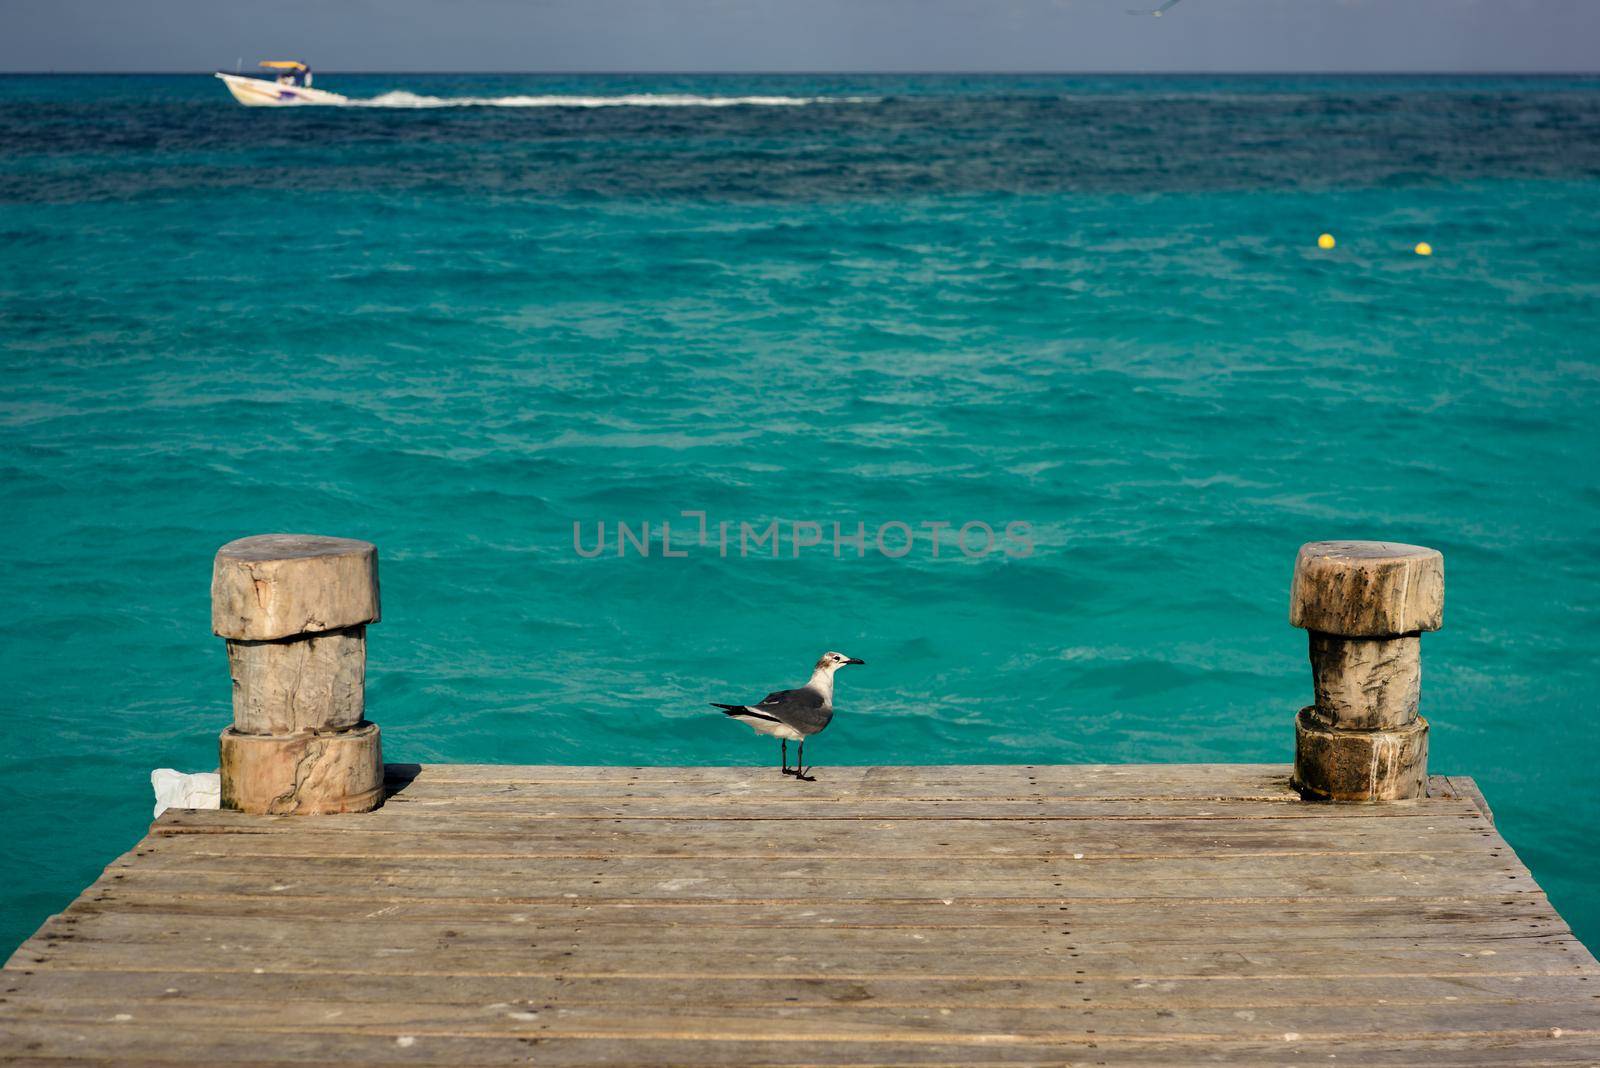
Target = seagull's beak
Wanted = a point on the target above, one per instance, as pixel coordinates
(855, 660)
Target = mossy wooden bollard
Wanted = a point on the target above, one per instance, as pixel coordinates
(1366, 604)
(294, 609)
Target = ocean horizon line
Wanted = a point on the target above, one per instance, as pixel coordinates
(1384, 73)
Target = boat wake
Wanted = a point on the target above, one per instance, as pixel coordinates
(403, 99)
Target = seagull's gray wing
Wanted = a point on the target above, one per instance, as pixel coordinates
(803, 709)
(784, 698)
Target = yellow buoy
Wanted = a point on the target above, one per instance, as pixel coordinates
(1325, 241)
(1424, 249)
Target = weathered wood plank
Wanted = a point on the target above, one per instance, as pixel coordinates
(129, 1041)
(657, 850)
(515, 810)
(696, 802)
(1152, 994)
(1224, 780)
(1081, 780)
(996, 868)
(856, 1022)
(692, 838)
(753, 957)
(874, 836)
(769, 785)
(1386, 916)
(1193, 882)
(1077, 932)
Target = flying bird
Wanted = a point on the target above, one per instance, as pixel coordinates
(1157, 12)
(795, 715)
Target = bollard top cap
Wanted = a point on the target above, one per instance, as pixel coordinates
(273, 586)
(293, 546)
(1367, 589)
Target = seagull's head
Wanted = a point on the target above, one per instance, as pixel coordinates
(832, 662)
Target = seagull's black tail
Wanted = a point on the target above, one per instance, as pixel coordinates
(742, 710)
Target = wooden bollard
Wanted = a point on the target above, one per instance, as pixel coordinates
(1366, 604)
(294, 609)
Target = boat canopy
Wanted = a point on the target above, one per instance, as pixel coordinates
(284, 64)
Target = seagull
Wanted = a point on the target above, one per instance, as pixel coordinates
(792, 715)
(1158, 12)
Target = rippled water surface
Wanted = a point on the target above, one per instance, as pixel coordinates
(1094, 306)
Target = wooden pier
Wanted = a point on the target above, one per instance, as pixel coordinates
(1163, 914)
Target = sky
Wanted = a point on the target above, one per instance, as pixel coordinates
(803, 35)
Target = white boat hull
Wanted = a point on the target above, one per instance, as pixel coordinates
(262, 93)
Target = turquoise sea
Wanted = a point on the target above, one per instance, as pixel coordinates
(1091, 305)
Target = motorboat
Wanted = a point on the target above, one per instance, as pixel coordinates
(289, 87)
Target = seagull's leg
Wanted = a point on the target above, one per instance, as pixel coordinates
(785, 743)
(800, 764)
